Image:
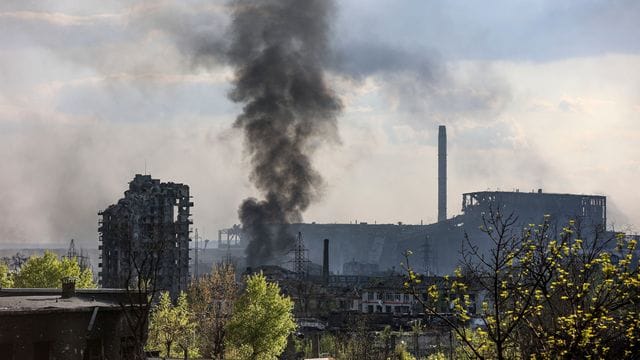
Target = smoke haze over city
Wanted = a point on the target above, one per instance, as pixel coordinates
(533, 94)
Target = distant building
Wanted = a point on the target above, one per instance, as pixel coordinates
(590, 210)
(371, 249)
(146, 234)
(386, 295)
(361, 269)
(43, 324)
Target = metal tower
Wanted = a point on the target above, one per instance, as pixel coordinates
(300, 258)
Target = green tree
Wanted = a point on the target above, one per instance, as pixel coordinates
(6, 278)
(47, 271)
(211, 299)
(261, 322)
(171, 325)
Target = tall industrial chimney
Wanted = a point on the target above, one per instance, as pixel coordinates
(325, 262)
(442, 173)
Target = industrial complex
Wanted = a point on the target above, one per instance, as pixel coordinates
(368, 249)
(335, 274)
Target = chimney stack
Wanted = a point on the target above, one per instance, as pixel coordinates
(325, 262)
(68, 287)
(442, 173)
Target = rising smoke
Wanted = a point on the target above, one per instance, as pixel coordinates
(278, 50)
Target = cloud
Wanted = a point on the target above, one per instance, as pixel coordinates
(423, 86)
(535, 94)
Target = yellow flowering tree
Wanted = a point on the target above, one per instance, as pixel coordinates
(541, 293)
(590, 306)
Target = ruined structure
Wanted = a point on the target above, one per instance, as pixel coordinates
(146, 236)
(590, 210)
(354, 245)
(368, 249)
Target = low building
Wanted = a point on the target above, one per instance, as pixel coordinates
(386, 295)
(357, 268)
(87, 324)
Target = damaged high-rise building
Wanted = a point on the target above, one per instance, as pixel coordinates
(145, 236)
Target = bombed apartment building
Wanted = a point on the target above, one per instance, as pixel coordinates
(361, 248)
(146, 234)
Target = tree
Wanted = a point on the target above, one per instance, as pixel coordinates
(589, 306)
(497, 277)
(170, 325)
(6, 278)
(211, 299)
(542, 293)
(47, 271)
(141, 289)
(261, 322)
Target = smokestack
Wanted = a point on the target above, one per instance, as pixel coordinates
(68, 287)
(442, 173)
(325, 262)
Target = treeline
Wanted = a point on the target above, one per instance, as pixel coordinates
(46, 271)
(215, 321)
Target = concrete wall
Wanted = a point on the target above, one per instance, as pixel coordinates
(64, 333)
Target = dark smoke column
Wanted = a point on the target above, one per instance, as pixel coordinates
(278, 49)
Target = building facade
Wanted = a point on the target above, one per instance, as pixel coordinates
(43, 324)
(146, 236)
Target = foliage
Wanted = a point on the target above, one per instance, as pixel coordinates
(401, 352)
(171, 325)
(6, 278)
(211, 299)
(437, 356)
(261, 322)
(589, 308)
(47, 271)
(541, 294)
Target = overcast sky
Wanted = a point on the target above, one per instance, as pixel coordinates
(535, 94)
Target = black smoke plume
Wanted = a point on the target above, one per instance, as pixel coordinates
(279, 49)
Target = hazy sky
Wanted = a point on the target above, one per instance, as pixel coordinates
(535, 94)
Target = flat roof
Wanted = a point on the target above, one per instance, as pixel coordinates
(50, 303)
(21, 301)
(530, 193)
